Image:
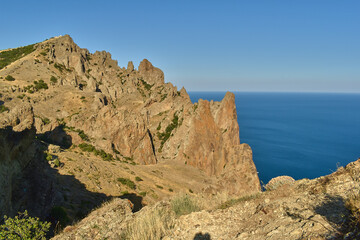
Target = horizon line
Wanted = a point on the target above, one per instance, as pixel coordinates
(244, 91)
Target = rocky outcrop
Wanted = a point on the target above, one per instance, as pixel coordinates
(152, 74)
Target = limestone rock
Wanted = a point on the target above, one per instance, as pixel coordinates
(152, 74)
(130, 66)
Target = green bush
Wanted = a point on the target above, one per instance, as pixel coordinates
(23, 227)
(57, 162)
(139, 179)
(184, 204)
(3, 109)
(127, 182)
(87, 147)
(40, 85)
(83, 135)
(9, 78)
(45, 120)
(48, 157)
(90, 148)
(53, 79)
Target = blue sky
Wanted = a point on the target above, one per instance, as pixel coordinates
(208, 45)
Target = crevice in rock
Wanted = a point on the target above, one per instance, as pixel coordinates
(152, 144)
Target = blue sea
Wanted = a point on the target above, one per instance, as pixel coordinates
(303, 135)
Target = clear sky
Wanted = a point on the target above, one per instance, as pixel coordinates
(269, 45)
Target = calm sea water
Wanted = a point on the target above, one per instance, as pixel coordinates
(303, 135)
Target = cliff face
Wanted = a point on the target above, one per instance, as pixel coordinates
(15, 141)
(24, 183)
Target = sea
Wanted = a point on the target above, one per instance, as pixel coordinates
(302, 135)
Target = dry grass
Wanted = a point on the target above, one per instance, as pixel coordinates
(151, 224)
(235, 201)
(184, 204)
(353, 205)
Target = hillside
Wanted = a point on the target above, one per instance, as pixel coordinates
(88, 131)
(322, 208)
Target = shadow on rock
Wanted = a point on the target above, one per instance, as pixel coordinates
(201, 236)
(136, 200)
(335, 211)
(58, 136)
(29, 183)
(59, 199)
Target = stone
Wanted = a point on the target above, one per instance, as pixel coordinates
(130, 66)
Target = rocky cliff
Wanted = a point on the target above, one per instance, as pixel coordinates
(129, 113)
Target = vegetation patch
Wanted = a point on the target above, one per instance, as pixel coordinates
(61, 67)
(127, 182)
(90, 148)
(163, 97)
(139, 179)
(7, 57)
(40, 85)
(141, 92)
(81, 133)
(53, 79)
(45, 120)
(3, 109)
(184, 204)
(146, 85)
(23, 227)
(9, 78)
(164, 136)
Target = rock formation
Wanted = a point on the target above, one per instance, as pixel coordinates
(133, 114)
(76, 129)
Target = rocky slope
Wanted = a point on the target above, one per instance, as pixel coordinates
(96, 131)
(305, 209)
